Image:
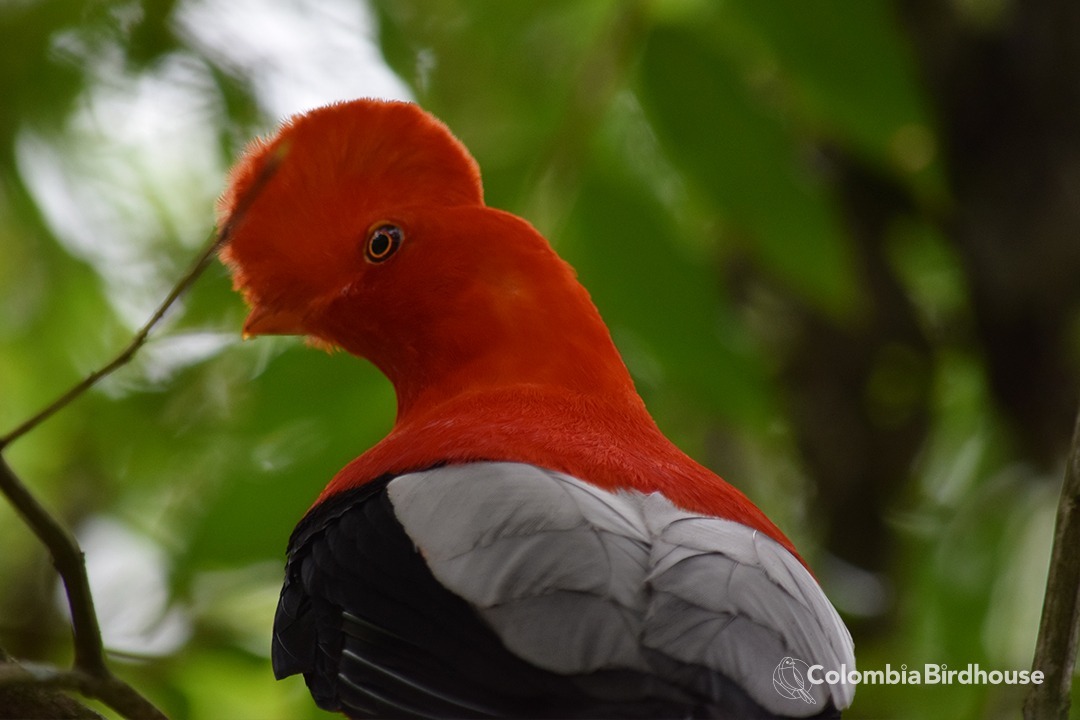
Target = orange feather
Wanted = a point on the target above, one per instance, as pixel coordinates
(496, 352)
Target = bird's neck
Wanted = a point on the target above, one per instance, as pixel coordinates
(517, 340)
(570, 371)
(612, 443)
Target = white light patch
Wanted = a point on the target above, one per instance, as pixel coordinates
(161, 359)
(128, 580)
(172, 354)
(136, 173)
(298, 55)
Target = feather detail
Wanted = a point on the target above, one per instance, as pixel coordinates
(594, 569)
(496, 352)
(574, 579)
(563, 622)
(612, 442)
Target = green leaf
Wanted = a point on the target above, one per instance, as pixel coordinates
(740, 156)
(662, 302)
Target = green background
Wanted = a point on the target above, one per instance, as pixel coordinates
(836, 242)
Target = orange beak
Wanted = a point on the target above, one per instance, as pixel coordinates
(263, 321)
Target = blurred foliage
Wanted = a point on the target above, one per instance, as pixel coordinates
(835, 241)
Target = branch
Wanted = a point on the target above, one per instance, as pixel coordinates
(37, 701)
(1059, 630)
(189, 278)
(90, 674)
(68, 560)
(110, 690)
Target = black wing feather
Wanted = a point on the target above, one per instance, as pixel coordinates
(376, 636)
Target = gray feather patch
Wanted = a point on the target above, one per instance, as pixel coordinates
(574, 578)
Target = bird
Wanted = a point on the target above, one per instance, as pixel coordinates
(525, 541)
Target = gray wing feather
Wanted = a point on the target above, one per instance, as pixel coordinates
(574, 578)
(722, 588)
(556, 567)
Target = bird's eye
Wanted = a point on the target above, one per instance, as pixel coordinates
(382, 243)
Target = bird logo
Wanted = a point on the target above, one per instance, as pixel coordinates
(789, 679)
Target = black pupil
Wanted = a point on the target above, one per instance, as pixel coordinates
(380, 243)
(383, 242)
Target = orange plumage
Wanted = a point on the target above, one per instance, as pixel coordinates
(495, 350)
(525, 542)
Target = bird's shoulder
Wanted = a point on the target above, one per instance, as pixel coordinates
(559, 589)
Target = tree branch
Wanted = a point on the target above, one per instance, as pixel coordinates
(1059, 630)
(68, 560)
(110, 690)
(189, 278)
(90, 674)
(36, 700)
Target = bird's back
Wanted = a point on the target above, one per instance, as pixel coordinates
(504, 590)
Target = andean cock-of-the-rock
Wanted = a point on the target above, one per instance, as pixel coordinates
(525, 542)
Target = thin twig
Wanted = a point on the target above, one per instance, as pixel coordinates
(68, 560)
(1059, 630)
(90, 674)
(189, 278)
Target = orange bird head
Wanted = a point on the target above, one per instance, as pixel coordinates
(363, 226)
(371, 234)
